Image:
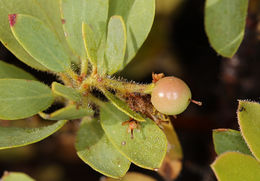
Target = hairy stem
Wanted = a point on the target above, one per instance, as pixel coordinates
(72, 74)
(125, 87)
(66, 79)
(119, 85)
(84, 68)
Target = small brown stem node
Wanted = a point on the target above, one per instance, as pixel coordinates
(157, 77)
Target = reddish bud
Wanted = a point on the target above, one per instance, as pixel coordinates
(12, 19)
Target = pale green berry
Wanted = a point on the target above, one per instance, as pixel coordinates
(171, 96)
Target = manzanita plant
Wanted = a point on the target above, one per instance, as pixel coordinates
(83, 43)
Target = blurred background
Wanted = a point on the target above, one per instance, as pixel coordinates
(177, 45)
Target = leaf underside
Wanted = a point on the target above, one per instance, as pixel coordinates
(225, 24)
(11, 71)
(23, 98)
(11, 137)
(229, 140)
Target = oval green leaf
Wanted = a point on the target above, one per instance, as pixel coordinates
(90, 43)
(122, 106)
(23, 98)
(40, 42)
(116, 44)
(10, 71)
(229, 140)
(138, 16)
(46, 10)
(66, 92)
(6, 37)
(11, 137)
(225, 24)
(51, 9)
(94, 148)
(15, 176)
(233, 166)
(68, 113)
(249, 121)
(92, 12)
(148, 147)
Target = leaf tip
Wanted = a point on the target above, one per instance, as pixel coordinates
(12, 19)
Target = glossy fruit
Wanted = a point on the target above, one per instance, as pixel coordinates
(171, 96)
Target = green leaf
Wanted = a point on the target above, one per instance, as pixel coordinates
(39, 41)
(148, 147)
(23, 98)
(51, 9)
(101, 62)
(68, 113)
(92, 12)
(6, 37)
(95, 48)
(138, 16)
(67, 92)
(11, 137)
(91, 44)
(225, 24)
(15, 176)
(122, 106)
(94, 148)
(172, 164)
(116, 44)
(174, 146)
(11, 71)
(130, 176)
(233, 166)
(249, 121)
(229, 140)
